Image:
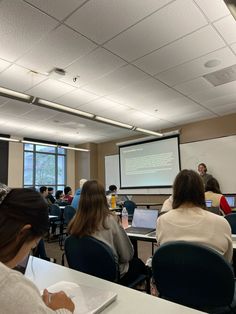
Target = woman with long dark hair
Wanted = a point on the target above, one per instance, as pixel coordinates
(23, 221)
(94, 218)
(189, 221)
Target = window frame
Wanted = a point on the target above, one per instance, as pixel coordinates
(56, 153)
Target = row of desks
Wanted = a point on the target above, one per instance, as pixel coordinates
(45, 274)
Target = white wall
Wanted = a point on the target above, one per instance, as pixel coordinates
(15, 165)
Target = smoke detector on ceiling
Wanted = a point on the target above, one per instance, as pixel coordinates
(57, 73)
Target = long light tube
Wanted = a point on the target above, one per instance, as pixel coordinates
(75, 148)
(53, 105)
(113, 122)
(15, 95)
(8, 139)
(148, 132)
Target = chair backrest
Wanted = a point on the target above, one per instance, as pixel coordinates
(193, 275)
(214, 210)
(92, 257)
(231, 218)
(69, 213)
(130, 206)
(55, 210)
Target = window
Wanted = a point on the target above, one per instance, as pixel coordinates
(44, 165)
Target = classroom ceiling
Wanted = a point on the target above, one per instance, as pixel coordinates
(142, 62)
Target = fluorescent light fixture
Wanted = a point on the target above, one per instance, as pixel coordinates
(75, 148)
(15, 95)
(38, 143)
(53, 105)
(8, 139)
(148, 132)
(231, 4)
(116, 123)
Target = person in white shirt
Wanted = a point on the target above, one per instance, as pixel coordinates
(23, 221)
(189, 221)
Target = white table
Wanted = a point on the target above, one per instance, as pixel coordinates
(44, 274)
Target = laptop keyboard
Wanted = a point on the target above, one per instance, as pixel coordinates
(138, 230)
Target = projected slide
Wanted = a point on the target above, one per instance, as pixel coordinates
(149, 164)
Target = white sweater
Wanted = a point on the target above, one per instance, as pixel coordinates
(198, 226)
(20, 296)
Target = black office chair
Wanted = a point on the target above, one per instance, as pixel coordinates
(68, 214)
(231, 218)
(55, 222)
(130, 206)
(92, 257)
(195, 276)
(96, 258)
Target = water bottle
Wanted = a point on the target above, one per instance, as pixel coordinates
(113, 201)
(125, 222)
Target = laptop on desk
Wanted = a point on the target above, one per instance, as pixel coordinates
(231, 201)
(144, 221)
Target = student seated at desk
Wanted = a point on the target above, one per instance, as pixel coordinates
(23, 221)
(95, 219)
(189, 221)
(214, 194)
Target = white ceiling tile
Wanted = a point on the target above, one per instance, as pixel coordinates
(193, 86)
(223, 110)
(39, 114)
(101, 20)
(94, 65)
(188, 48)
(3, 65)
(196, 68)
(144, 88)
(3, 100)
(215, 92)
(214, 9)
(227, 28)
(220, 101)
(193, 117)
(19, 79)
(98, 106)
(234, 47)
(50, 89)
(76, 98)
(15, 107)
(21, 27)
(116, 80)
(58, 49)
(57, 8)
(168, 24)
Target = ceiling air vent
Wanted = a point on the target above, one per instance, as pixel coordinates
(223, 76)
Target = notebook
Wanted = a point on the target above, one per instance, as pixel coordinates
(230, 200)
(21, 267)
(144, 221)
(87, 300)
(208, 203)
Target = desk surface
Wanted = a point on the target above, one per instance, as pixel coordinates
(147, 204)
(44, 274)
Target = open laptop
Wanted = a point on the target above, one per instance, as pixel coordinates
(144, 221)
(230, 200)
(208, 203)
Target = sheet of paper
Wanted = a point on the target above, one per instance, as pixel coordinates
(86, 299)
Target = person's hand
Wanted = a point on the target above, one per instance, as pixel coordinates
(58, 300)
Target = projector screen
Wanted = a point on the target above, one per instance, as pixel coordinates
(154, 163)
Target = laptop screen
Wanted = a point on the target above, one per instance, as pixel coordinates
(208, 203)
(145, 218)
(230, 200)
